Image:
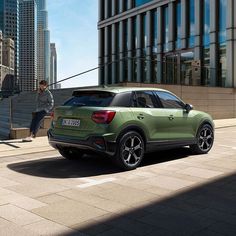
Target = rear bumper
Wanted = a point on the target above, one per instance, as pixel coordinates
(96, 144)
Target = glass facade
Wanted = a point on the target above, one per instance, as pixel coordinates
(141, 2)
(1, 15)
(9, 25)
(166, 27)
(222, 42)
(178, 24)
(191, 22)
(206, 43)
(43, 41)
(150, 52)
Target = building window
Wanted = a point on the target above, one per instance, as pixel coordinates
(144, 46)
(222, 42)
(141, 2)
(126, 5)
(154, 32)
(206, 42)
(166, 27)
(206, 23)
(135, 43)
(191, 22)
(178, 24)
(125, 61)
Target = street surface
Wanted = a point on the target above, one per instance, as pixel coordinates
(172, 193)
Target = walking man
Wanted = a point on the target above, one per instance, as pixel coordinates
(45, 104)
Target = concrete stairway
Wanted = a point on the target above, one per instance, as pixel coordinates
(22, 107)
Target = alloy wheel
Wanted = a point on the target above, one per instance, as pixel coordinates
(206, 138)
(132, 150)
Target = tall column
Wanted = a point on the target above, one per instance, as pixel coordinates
(139, 49)
(106, 59)
(114, 56)
(184, 24)
(121, 59)
(121, 5)
(101, 57)
(149, 48)
(106, 7)
(113, 7)
(130, 50)
(130, 4)
(100, 10)
(213, 43)
(159, 44)
(198, 33)
(231, 44)
(171, 27)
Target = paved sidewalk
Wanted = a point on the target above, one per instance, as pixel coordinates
(171, 193)
(224, 123)
(17, 147)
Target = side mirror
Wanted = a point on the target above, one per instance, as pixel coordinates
(188, 107)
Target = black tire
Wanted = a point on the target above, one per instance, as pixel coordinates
(205, 140)
(71, 154)
(130, 151)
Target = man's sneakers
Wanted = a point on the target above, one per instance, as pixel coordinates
(28, 139)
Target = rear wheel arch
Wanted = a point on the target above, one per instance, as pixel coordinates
(133, 128)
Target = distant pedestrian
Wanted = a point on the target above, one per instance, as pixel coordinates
(45, 103)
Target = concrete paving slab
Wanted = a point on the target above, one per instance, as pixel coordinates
(199, 172)
(46, 227)
(68, 212)
(17, 215)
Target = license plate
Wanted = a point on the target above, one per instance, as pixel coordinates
(71, 122)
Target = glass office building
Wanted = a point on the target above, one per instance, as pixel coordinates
(9, 25)
(43, 41)
(28, 46)
(182, 42)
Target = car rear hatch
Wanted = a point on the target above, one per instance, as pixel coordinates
(74, 118)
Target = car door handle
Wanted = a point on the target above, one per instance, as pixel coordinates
(171, 117)
(140, 116)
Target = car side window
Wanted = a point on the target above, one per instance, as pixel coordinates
(122, 100)
(169, 101)
(145, 99)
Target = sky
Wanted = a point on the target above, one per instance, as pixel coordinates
(73, 27)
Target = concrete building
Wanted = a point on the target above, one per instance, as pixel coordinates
(7, 58)
(186, 46)
(28, 45)
(9, 25)
(43, 41)
(53, 66)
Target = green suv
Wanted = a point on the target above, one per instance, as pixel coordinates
(125, 123)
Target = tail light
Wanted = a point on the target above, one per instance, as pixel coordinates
(103, 117)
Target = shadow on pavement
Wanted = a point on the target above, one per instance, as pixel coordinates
(209, 209)
(88, 166)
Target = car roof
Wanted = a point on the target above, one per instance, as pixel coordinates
(117, 89)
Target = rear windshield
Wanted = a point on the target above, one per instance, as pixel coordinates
(90, 99)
